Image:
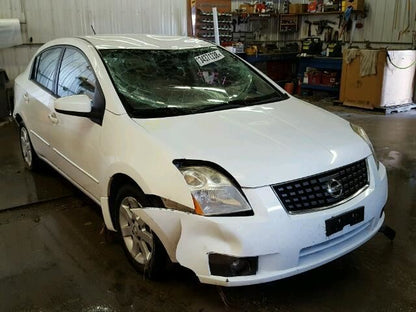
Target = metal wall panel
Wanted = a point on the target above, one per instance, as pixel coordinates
(379, 24)
(43, 20)
(62, 18)
(14, 60)
(48, 19)
(11, 9)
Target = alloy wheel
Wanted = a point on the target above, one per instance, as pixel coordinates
(137, 236)
(26, 147)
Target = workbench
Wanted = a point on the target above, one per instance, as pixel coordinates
(281, 67)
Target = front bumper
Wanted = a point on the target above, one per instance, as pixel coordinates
(284, 244)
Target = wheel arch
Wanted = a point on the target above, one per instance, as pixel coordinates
(18, 119)
(116, 182)
(168, 235)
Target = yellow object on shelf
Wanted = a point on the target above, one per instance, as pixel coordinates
(251, 50)
(297, 8)
(357, 5)
(247, 8)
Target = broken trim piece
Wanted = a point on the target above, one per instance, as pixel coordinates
(170, 204)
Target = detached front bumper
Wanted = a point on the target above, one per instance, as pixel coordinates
(284, 244)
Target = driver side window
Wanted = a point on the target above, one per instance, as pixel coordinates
(75, 75)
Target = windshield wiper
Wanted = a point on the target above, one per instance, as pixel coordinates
(155, 112)
(158, 112)
(268, 99)
(237, 103)
(221, 106)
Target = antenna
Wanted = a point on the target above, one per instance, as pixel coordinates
(93, 30)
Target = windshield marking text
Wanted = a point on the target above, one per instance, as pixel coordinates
(208, 58)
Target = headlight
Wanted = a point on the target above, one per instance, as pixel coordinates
(212, 192)
(360, 131)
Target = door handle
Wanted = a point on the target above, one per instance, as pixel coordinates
(26, 97)
(52, 117)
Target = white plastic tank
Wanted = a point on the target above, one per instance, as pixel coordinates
(398, 82)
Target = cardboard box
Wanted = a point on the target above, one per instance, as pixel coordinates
(247, 8)
(297, 8)
(223, 6)
(364, 92)
(357, 5)
(293, 8)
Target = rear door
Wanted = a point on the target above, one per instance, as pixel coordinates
(39, 98)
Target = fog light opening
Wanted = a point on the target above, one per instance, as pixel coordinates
(239, 266)
(223, 265)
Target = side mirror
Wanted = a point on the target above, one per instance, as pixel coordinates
(77, 105)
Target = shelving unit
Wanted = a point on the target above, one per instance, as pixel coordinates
(322, 13)
(205, 26)
(321, 63)
(288, 22)
(258, 15)
(334, 89)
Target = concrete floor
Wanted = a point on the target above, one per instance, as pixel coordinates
(55, 256)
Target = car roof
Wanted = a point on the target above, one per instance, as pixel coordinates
(146, 42)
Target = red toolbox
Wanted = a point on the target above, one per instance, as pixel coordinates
(314, 77)
(329, 78)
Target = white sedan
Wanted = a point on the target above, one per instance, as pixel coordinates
(198, 158)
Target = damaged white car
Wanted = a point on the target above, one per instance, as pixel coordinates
(198, 158)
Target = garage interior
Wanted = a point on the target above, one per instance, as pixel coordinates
(356, 60)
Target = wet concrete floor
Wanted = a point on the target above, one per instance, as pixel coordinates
(19, 186)
(55, 256)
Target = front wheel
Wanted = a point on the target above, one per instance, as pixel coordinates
(141, 245)
(30, 157)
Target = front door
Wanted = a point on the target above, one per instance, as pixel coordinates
(76, 139)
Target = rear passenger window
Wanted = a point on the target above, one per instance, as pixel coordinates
(45, 68)
(75, 75)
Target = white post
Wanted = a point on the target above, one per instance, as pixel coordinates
(216, 30)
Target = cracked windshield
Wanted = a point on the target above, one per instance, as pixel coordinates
(158, 83)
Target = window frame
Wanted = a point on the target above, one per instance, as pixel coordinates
(58, 71)
(35, 67)
(62, 47)
(96, 117)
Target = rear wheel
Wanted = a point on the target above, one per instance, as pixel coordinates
(29, 155)
(141, 245)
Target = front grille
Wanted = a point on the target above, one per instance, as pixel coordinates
(314, 192)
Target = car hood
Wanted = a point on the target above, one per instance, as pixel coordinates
(263, 144)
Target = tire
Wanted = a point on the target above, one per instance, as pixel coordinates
(30, 158)
(140, 244)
